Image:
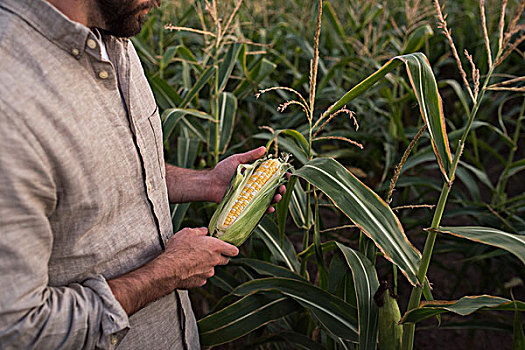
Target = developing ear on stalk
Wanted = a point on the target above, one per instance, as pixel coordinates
(390, 331)
(249, 195)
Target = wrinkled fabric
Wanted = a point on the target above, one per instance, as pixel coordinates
(83, 197)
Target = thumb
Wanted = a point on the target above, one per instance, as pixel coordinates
(252, 155)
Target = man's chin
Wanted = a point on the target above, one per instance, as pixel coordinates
(127, 29)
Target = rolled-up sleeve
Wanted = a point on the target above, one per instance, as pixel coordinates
(33, 314)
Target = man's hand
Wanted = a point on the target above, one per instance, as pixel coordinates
(221, 175)
(188, 185)
(191, 256)
(188, 261)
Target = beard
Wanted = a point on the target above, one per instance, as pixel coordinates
(122, 18)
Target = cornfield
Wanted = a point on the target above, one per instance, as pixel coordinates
(403, 224)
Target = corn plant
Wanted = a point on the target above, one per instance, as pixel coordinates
(199, 117)
(373, 217)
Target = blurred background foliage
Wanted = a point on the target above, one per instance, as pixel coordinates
(207, 63)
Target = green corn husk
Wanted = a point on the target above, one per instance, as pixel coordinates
(390, 331)
(239, 231)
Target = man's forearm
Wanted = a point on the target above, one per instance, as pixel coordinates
(188, 261)
(137, 288)
(188, 185)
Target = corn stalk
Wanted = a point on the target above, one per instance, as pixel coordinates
(415, 297)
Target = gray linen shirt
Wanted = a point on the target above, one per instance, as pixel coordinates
(83, 196)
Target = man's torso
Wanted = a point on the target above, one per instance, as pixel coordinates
(110, 212)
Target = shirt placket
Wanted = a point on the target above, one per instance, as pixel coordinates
(145, 151)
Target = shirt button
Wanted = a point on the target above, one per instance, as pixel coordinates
(75, 52)
(91, 43)
(114, 340)
(103, 74)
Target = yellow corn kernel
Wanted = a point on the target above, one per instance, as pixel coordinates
(263, 173)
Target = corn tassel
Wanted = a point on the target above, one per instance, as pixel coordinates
(249, 195)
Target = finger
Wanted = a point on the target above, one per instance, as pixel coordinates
(224, 260)
(252, 155)
(209, 273)
(288, 176)
(270, 210)
(282, 189)
(201, 231)
(227, 249)
(277, 198)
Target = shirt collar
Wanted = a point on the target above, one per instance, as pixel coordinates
(51, 23)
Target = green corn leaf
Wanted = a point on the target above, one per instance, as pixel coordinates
(261, 70)
(464, 306)
(172, 116)
(283, 206)
(284, 251)
(321, 268)
(426, 91)
(299, 139)
(336, 25)
(336, 316)
(294, 340)
(224, 280)
(337, 272)
(186, 154)
(417, 38)
(203, 80)
(186, 76)
(243, 317)
(186, 54)
(366, 284)
(165, 96)
(470, 183)
(265, 268)
(458, 90)
(310, 251)
(178, 212)
(366, 209)
(284, 144)
(194, 128)
(512, 243)
(242, 60)
(430, 105)
(298, 207)
(226, 67)
(335, 70)
(144, 51)
(480, 174)
(169, 53)
(516, 167)
(456, 134)
(227, 112)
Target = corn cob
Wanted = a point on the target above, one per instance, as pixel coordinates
(252, 187)
(249, 195)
